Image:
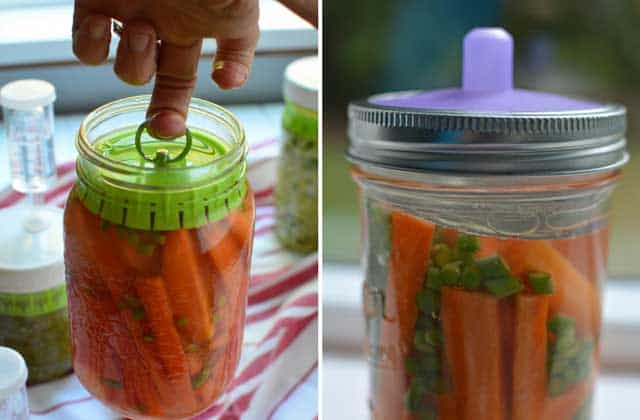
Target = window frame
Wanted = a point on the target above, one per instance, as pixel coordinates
(29, 51)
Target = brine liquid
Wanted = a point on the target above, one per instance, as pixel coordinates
(157, 318)
(464, 327)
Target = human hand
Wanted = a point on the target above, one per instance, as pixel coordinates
(164, 37)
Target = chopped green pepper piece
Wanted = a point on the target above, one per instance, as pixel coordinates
(131, 301)
(450, 274)
(437, 385)
(182, 322)
(138, 314)
(562, 325)
(192, 348)
(415, 395)
(493, 267)
(146, 249)
(411, 366)
(441, 254)
(159, 239)
(433, 338)
(133, 239)
(471, 279)
(467, 244)
(428, 301)
(434, 281)
(148, 338)
(420, 343)
(428, 414)
(503, 287)
(425, 322)
(540, 283)
(429, 363)
(112, 383)
(199, 380)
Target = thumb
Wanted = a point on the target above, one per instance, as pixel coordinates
(233, 60)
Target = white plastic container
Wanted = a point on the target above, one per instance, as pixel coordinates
(14, 404)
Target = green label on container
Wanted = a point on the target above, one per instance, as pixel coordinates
(33, 304)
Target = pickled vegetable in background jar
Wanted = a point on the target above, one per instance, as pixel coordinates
(158, 239)
(33, 301)
(296, 193)
(485, 212)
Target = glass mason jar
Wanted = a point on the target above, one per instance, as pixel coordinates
(485, 248)
(34, 318)
(296, 192)
(158, 239)
(33, 301)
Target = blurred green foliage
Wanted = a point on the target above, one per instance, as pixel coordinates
(588, 48)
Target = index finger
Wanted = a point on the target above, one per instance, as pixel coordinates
(175, 80)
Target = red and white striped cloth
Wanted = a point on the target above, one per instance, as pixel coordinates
(277, 375)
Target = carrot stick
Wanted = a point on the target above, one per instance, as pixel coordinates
(447, 407)
(135, 261)
(410, 248)
(529, 389)
(588, 253)
(228, 244)
(85, 242)
(141, 393)
(224, 250)
(187, 287)
(573, 294)
(566, 405)
(489, 246)
(163, 336)
(472, 333)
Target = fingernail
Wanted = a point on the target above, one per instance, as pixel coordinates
(166, 125)
(138, 42)
(97, 32)
(230, 73)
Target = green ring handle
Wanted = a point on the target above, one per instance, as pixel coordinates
(161, 158)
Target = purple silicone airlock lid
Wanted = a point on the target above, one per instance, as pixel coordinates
(487, 83)
(487, 126)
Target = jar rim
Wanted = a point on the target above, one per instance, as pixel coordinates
(482, 143)
(161, 196)
(135, 103)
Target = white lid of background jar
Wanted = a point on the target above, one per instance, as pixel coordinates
(27, 94)
(13, 372)
(301, 82)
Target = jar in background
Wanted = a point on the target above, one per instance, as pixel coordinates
(158, 239)
(296, 193)
(34, 318)
(33, 301)
(14, 404)
(485, 212)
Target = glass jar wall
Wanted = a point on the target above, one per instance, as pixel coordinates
(484, 302)
(158, 260)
